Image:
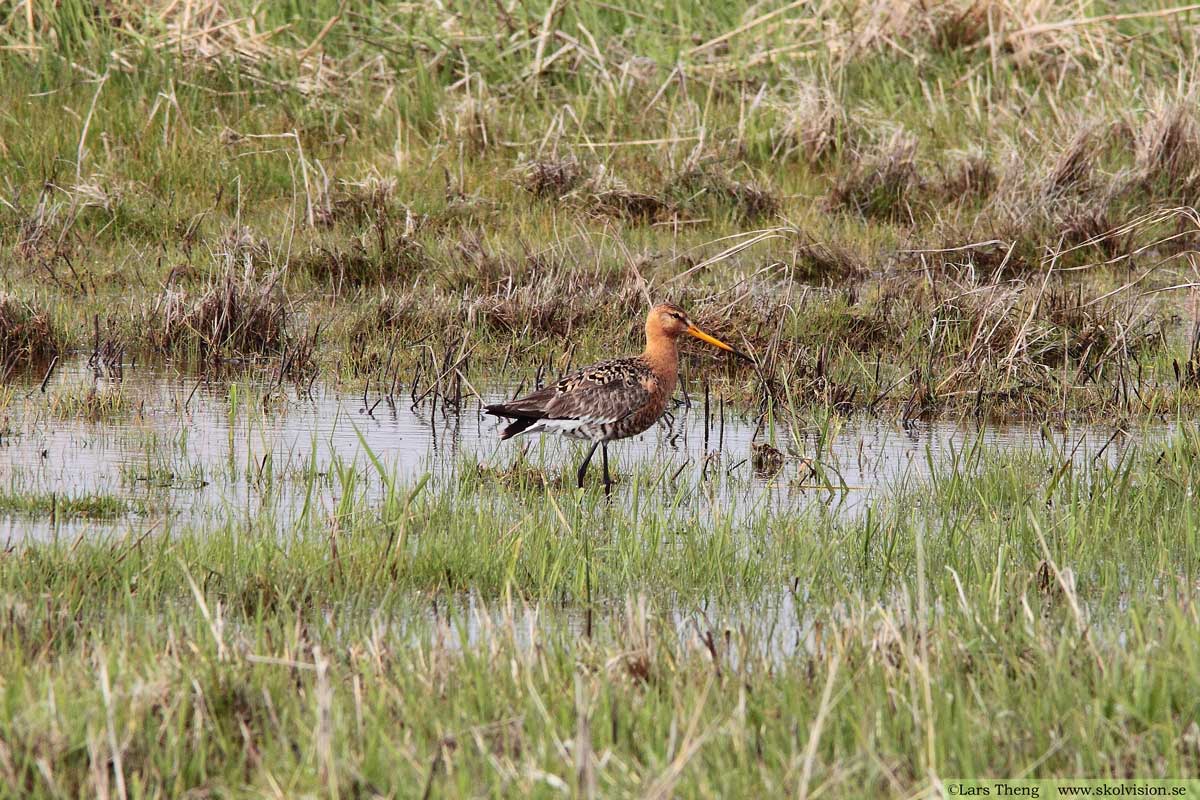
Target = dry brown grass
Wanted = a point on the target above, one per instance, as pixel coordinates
(534, 308)
(749, 201)
(1022, 210)
(813, 124)
(471, 122)
(881, 184)
(42, 228)
(236, 313)
(824, 261)
(1041, 35)
(357, 202)
(606, 195)
(551, 178)
(383, 254)
(967, 176)
(1075, 165)
(208, 36)
(26, 334)
(1167, 153)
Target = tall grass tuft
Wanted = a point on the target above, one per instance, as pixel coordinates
(26, 334)
(235, 313)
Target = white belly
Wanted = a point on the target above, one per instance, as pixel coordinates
(588, 430)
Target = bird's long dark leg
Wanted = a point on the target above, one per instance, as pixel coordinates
(607, 479)
(587, 459)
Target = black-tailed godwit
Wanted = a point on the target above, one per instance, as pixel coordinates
(613, 399)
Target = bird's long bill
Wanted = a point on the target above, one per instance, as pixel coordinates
(715, 342)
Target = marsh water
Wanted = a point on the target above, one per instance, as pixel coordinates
(177, 446)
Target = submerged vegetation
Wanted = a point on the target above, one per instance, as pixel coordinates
(980, 210)
(53, 507)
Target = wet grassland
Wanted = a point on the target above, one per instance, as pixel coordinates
(261, 265)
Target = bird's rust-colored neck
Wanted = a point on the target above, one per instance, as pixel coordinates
(662, 352)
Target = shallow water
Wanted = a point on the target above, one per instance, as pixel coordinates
(184, 447)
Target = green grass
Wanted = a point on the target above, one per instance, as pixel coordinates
(1010, 618)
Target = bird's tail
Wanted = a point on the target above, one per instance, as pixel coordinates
(519, 421)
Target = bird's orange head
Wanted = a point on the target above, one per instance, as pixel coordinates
(667, 322)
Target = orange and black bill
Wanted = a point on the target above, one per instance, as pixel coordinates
(715, 342)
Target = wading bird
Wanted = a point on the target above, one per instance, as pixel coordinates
(613, 399)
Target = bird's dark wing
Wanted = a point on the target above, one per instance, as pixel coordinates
(600, 394)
